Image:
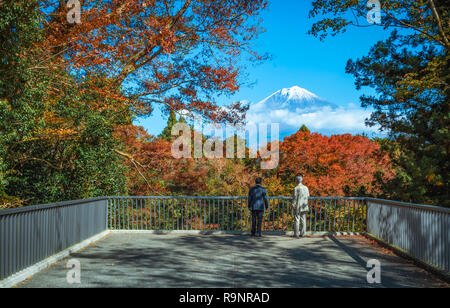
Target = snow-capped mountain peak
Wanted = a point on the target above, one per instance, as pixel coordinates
(293, 107)
(297, 93)
(294, 98)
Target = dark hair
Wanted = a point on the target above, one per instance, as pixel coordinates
(258, 180)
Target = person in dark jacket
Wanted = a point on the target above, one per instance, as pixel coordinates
(257, 203)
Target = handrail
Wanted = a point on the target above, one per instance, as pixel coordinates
(419, 231)
(410, 205)
(40, 207)
(76, 202)
(29, 235)
(231, 198)
(230, 214)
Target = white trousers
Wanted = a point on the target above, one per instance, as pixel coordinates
(300, 218)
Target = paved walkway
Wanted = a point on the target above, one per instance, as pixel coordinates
(177, 261)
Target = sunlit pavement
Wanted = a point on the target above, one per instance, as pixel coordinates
(204, 261)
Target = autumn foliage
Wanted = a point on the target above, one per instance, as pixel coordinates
(69, 94)
(177, 54)
(153, 170)
(340, 165)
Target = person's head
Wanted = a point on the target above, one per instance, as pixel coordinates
(258, 181)
(299, 179)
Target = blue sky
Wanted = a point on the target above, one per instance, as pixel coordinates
(299, 59)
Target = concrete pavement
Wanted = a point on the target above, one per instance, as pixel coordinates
(230, 261)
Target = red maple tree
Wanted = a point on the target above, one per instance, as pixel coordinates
(180, 54)
(340, 165)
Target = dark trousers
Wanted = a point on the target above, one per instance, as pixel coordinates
(257, 218)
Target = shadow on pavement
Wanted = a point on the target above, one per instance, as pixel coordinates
(142, 260)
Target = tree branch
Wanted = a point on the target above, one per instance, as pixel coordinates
(417, 29)
(135, 164)
(132, 65)
(439, 23)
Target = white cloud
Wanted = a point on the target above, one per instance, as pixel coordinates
(350, 119)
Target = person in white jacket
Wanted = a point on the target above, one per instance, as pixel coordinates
(300, 201)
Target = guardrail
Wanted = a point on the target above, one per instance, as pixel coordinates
(420, 231)
(231, 214)
(31, 234)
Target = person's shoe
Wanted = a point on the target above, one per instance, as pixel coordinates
(253, 235)
(259, 235)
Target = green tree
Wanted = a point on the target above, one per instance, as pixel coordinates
(171, 122)
(68, 152)
(19, 29)
(56, 134)
(410, 73)
(304, 129)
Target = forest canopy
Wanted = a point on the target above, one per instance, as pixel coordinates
(69, 93)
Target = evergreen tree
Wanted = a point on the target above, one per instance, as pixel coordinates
(304, 129)
(56, 142)
(410, 74)
(412, 107)
(167, 132)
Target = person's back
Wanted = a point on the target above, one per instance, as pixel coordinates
(301, 196)
(300, 202)
(257, 204)
(257, 198)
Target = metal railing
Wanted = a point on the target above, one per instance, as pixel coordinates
(421, 231)
(231, 214)
(31, 234)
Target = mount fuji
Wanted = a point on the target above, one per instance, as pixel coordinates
(293, 107)
(294, 99)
